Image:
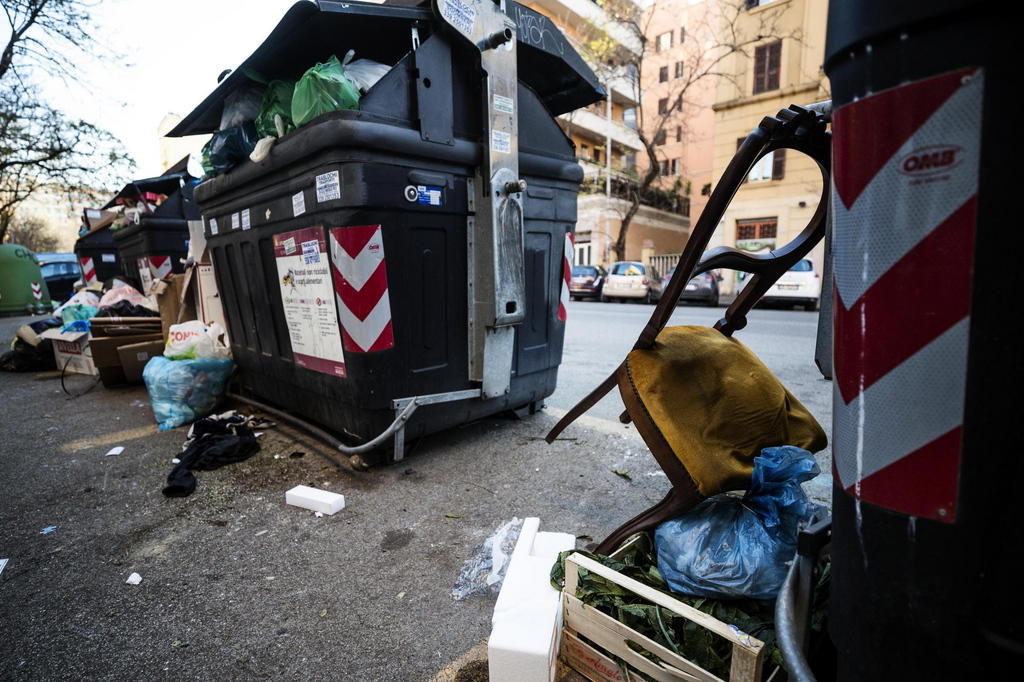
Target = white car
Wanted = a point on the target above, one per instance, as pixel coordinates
(800, 285)
(631, 279)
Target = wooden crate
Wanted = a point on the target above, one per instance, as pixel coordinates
(610, 636)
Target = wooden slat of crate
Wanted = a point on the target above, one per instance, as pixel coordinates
(747, 651)
(609, 633)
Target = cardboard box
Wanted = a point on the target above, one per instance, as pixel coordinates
(112, 376)
(114, 328)
(104, 348)
(72, 351)
(168, 296)
(135, 356)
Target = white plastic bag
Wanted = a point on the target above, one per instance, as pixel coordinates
(364, 72)
(81, 298)
(193, 339)
(126, 293)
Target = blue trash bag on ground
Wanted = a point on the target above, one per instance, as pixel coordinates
(729, 547)
(182, 391)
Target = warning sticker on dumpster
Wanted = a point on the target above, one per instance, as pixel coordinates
(213, 226)
(307, 295)
(905, 204)
(328, 187)
(428, 195)
(298, 204)
(235, 221)
(246, 220)
(505, 104)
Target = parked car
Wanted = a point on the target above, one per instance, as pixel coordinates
(61, 271)
(703, 288)
(631, 280)
(587, 281)
(800, 285)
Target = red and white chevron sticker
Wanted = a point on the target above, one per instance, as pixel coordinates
(88, 271)
(361, 287)
(904, 202)
(160, 266)
(37, 291)
(567, 258)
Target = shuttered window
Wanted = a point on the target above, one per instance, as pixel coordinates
(767, 63)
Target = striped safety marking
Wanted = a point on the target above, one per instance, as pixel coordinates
(37, 291)
(88, 271)
(567, 258)
(361, 286)
(160, 266)
(904, 209)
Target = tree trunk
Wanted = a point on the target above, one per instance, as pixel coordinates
(645, 182)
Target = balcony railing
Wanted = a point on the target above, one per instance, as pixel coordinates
(625, 185)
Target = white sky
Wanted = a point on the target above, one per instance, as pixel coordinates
(174, 50)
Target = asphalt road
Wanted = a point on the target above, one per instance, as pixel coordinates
(238, 585)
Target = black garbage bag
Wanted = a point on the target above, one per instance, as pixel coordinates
(124, 308)
(25, 356)
(229, 147)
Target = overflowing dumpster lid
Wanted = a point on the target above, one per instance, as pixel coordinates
(164, 184)
(311, 32)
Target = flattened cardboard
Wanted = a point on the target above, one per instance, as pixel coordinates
(135, 356)
(104, 348)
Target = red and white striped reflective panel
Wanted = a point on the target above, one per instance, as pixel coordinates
(160, 266)
(88, 271)
(567, 258)
(904, 193)
(361, 286)
(37, 291)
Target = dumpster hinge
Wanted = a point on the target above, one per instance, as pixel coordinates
(399, 405)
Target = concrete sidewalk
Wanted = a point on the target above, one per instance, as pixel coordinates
(237, 585)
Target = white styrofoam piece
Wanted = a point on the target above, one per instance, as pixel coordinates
(315, 499)
(527, 623)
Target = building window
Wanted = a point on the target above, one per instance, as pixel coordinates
(663, 167)
(659, 137)
(664, 41)
(629, 118)
(663, 74)
(584, 152)
(767, 59)
(679, 69)
(679, 133)
(663, 105)
(759, 228)
(673, 166)
(768, 167)
(682, 34)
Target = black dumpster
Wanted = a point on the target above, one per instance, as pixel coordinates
(155, 246)
(356, 279)
(95, 249)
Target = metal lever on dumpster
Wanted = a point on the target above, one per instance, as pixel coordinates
(497, 282)
(796, 599)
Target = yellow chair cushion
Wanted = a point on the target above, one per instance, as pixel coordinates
(718, 405)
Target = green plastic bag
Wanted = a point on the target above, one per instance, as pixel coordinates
(277, 101)
(323, 88)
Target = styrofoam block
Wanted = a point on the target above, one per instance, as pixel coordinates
(315, 499)
(527, 623)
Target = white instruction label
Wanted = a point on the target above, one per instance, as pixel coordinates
(310, 252)
(502, 103)
(459, 14)
(298, 204)
(108, 258)
(289, 246)
(234, 221)
(213, 226)
(246, 220)
(328, 187)
(501, 141)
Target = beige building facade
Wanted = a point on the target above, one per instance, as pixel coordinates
(782, 191)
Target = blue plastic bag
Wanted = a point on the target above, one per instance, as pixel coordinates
(734, 548)
(182, 391)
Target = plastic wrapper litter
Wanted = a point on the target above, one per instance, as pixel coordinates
(181, 391)
(322, 89)
(730, 547)
(241, 106)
